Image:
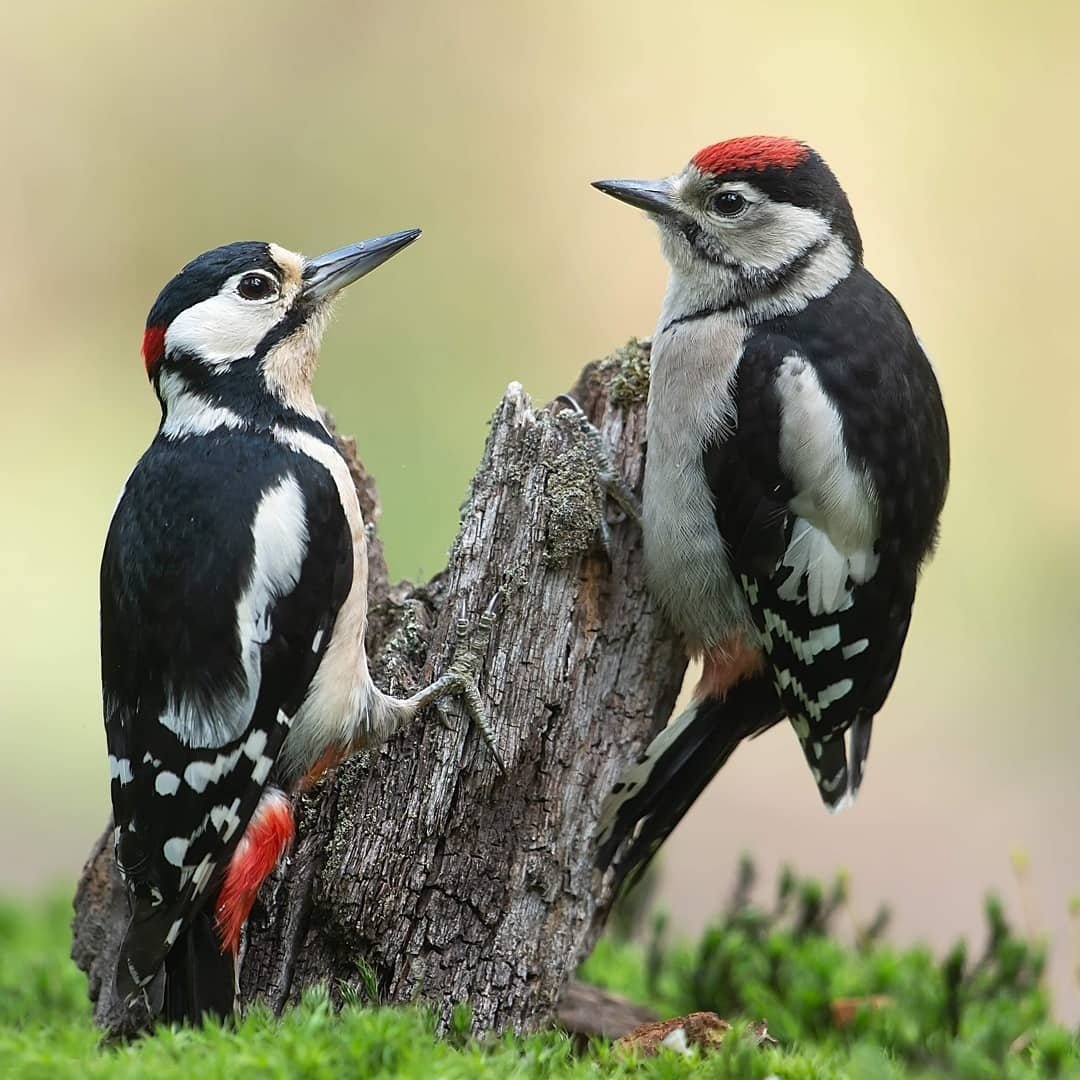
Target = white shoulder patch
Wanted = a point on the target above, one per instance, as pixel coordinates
(280, 538)
(280, 533)
(830, 493)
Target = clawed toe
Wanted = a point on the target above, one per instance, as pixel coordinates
(470, 648)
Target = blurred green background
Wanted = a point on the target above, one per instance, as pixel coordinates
(137, 134)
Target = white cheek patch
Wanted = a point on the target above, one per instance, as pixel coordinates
(771, 235)
(222, 328)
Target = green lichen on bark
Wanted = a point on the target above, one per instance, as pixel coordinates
(632, 368)
(575, 501)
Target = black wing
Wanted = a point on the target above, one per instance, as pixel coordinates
(832, 616)
(225, 565)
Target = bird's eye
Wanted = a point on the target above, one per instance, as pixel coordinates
(256, 287)
(728, 204)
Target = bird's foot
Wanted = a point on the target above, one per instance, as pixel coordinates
(461, 678)
(612, 486)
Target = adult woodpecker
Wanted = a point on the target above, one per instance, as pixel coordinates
(233, 609)
(798, 458)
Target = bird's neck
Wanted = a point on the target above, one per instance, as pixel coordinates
(197, 399)
(750, 295)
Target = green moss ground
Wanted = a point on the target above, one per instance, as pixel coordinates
(974, 1016)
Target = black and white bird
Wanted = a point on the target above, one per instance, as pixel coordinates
(233, 609)
(797, 464)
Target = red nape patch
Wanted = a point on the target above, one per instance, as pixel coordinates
(153, 347)
(750, 154)
(268, 834)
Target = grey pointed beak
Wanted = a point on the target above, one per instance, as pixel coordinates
(330, 273)
(653, 196)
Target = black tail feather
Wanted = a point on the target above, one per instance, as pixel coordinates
(681, 762)
(860, 748)
(181, 984)
(199, 978)
(838, 766)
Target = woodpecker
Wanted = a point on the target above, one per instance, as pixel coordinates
(797, 464)
(233, 610)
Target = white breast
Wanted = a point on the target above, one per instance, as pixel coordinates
(338, 701)
(690, 402)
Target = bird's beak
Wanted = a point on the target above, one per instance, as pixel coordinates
(330, 273)
(654, 196)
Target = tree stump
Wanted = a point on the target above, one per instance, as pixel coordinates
(420, 872)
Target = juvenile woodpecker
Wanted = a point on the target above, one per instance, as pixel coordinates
(797, 463)
(233, 610)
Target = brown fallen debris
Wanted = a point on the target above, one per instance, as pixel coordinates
(703, 1029)
(843, 1010)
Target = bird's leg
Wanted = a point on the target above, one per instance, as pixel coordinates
(612, 485)
(461, 677)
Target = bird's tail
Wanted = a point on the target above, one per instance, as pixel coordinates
(199, 977)
(194, 980)
(653, 796)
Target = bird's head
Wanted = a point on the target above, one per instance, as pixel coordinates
(750, 220)
(253, 310)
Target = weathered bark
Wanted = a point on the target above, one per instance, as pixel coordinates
(418, 869)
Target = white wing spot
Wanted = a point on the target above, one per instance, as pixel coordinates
(202, 873)
(199, 775)
(834, 692)
(166, 783)
(174, 850)
(750, 587)
(856, 647)
(256, 744)
(813, 706)
(226, 819)
(120, 769)
(262, 769)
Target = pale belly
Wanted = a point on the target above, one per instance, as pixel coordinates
(686, 560)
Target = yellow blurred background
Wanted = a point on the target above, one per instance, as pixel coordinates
(135, 135)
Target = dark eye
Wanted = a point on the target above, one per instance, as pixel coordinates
(728, 204)
(256, 287)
